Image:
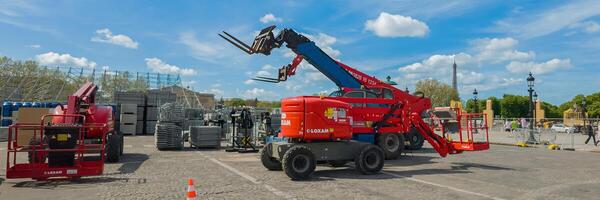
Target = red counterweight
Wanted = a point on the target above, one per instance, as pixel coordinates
(315, 118)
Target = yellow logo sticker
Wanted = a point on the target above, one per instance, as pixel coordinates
(329, 113)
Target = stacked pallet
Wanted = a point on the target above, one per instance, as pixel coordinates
(140, 129)
(157, 97)
(205, 136)
(128, 123)
(168, 136)
(168, 133)
(171, 112)
(128, 119)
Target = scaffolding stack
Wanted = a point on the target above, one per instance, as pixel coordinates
(168, 136)
(169, 132)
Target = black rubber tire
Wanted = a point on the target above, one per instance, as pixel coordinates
(415, 140)
(299, 163)
(370, 160)
(337, 163)
(113, 148)
(269, 162)
(391, 145)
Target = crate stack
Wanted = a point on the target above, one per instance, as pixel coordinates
(205, 136)
(168, 133)
(193, 117)
(140, 125)
(131, 100)
(154, 99)
(128, 119)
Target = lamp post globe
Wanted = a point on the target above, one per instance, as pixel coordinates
(530, 80)
(476, 106)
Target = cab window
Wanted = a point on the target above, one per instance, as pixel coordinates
(371, 95)
(355, 94)
(338, 93)
(387, 94)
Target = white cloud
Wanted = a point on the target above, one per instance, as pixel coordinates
(249, 82)
(158, 65)
(263, 73)
(34, 46)
(190, 83)
(217, 92)
(470, 77)
(269, 17)
(52, 58)
(201, 50)
(439, 64)
(492, 82)
(388, 25)
(499, 49)
(105, 68)
(539, 68)
(587, 26)
(314, 76)
(324, 42)
(536, 24)
(592, 27)
(106, 36)
(268, 67)
(258, 93)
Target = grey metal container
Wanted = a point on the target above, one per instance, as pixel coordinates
(205, 136)
(151, 113)
(150, 127)
(129, 98)
(157, 97)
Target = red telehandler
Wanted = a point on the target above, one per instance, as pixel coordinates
(364, 121)
(72, 142)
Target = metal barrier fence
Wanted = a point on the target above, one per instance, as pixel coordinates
(547, 131)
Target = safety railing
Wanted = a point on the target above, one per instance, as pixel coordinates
(29, 138)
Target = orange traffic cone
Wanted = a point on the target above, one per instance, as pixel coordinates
(191, 191)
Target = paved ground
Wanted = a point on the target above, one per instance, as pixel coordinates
(503, 172)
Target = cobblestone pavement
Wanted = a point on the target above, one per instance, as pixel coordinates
(504, 172)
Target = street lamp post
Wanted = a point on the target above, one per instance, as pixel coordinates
(535, 99)
(476, 108)
(583, 105)
(530, 84)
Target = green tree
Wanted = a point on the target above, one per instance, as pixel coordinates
(440, 93)
(470, 106)
(592, 104)
(235, 102)
(514, 106)
(551, 111)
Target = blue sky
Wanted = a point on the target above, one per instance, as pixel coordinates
(495, 43)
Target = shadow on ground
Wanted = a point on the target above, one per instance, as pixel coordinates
(349, 172)
(131, 162)
(68, 184)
